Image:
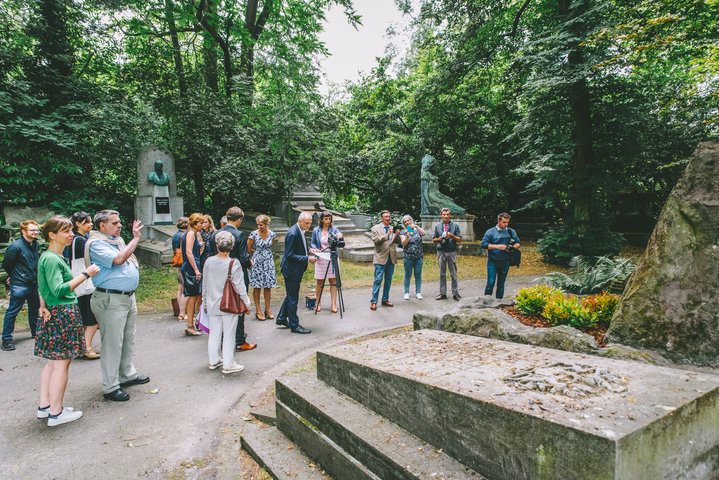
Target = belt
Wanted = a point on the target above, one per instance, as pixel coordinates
(117, 292)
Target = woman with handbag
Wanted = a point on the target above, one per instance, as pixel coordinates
(222, 283)
(182, 226)
(60, 336)
(75, 257)
(191, 274)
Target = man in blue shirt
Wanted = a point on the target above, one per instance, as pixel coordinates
(497, 240)
(113, 302)
(20, 263)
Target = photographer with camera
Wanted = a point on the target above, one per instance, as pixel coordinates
(447, 236)
(413, 255)
(325, 237)
(499, 241)
(385, 237)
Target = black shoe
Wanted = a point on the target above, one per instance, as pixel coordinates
(282, 323)
(117, 396)
(7, 346)
(300, 329)
(456, 296)
(441, 296)
(136, 381)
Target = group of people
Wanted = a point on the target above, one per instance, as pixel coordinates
(85, 281)
(87, 278)
(447, 236)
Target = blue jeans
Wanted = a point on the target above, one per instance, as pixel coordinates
(18, 295)
(413, 265)
(380, 271)
(496, 272)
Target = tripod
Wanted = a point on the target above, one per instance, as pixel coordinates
(334, 262)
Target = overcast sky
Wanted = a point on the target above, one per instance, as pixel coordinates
(353, 50)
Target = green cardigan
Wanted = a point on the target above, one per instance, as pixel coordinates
(53, 280)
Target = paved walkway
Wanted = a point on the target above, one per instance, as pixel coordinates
(187, 411)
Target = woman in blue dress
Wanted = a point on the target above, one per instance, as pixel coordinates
(191, 273)
(262, 273)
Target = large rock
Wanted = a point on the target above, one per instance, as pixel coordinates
(670, 302)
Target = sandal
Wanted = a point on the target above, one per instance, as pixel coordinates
(318, 308)
(91, 354)
(182, 318)
(259, 316)
(334, 309)
(191, 332)
(269, 315)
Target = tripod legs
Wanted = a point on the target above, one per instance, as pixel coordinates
(335, 287)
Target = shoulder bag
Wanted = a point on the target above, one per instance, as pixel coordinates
(177, 255)
(515, 255)
(231, 301)
(77, 265)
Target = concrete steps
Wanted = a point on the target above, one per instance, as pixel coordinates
(341, 427)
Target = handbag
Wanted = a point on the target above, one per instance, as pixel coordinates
(231, 301)
(77, 265)
(177, 255)
(515, 255)
(203, 320)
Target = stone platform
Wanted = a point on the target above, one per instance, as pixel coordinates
(432, 404)
(515, 411)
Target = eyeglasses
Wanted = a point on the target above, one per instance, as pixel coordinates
(33, 231)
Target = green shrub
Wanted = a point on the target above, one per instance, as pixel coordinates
(376, 218)
(568, 311)
(531, 300)
(602, 306)
(590, 275)
(563, 242)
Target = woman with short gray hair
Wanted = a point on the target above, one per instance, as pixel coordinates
(221, 323)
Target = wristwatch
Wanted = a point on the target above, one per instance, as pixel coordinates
(86, 275)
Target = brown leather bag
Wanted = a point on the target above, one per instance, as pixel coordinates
(177, 255)
(231, 301)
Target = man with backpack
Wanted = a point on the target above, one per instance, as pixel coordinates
(499, 242)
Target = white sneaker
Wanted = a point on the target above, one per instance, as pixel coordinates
(45, 412)
(235, 368)
(67, 415)
(406, 296)
(213, 366)
(419, 296)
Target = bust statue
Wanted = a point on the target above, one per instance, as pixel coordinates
(433, 201)
(158, 177)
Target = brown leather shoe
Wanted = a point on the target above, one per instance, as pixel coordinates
(245, 346)
(387, 303)
(373, 306)
(441, 296)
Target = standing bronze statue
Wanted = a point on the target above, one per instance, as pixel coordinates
(433, 201)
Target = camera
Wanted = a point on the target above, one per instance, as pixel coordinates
(335, 242)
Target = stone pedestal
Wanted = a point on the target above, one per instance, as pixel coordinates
(156, 204)
(465, 222)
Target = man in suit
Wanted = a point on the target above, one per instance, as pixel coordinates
(239, 251)
(385, 256)
(293, 266)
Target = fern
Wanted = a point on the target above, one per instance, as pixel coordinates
(590, 275)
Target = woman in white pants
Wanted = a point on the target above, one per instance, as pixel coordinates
(214, 275)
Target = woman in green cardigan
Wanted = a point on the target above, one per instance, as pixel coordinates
(60, 336)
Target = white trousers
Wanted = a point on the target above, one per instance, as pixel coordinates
(222, 325)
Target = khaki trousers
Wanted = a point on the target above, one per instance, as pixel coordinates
(116, 314)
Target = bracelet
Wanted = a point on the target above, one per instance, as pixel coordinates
(86, 275)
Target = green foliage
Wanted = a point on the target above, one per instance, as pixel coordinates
(531, 300)
(590, 275)
(376, 218)
(568, 311)
(563, 242)
(602, 306)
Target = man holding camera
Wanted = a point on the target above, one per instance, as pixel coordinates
(384, 237)
(447, 236)
(498, 241)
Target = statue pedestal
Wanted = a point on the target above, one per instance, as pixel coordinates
(465, 222)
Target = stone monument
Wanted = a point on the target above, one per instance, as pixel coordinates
(157, 205)
(433, 201)
(157, 202)
(670, 302)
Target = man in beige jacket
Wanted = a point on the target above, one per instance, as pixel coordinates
(384, 237)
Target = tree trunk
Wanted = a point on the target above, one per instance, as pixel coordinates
(254, 25)
(209, 52)
(176, 54)
(55, 59)
(581, 113)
